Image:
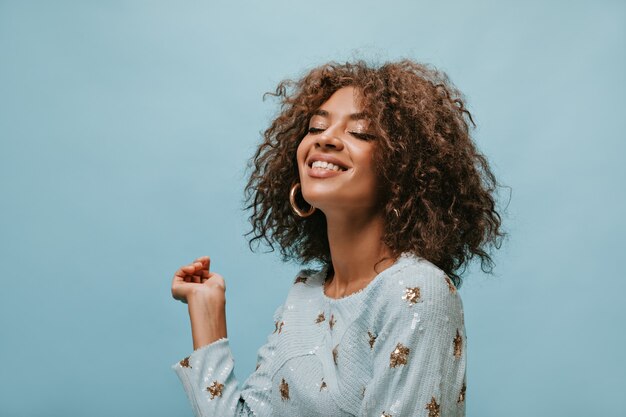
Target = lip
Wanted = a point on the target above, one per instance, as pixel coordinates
(326, 158)
(321, 172)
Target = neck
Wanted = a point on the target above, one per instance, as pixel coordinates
(357, 252)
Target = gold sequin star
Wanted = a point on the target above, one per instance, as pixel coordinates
(372, 339)
(284, 390)
(332, 321)
(215, 389)
(301, 279)
(399, 356)
(335, 353)
(412, 295)
(279, 326)
(451, 286)
(320, 318)
(458, 344)
(185, 363)
(462, 394)
(433, 408)
(385, 415)
(323, 386)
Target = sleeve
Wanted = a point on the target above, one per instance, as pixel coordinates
(419, 353)
(209, 381)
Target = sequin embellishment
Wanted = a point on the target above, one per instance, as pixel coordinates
(300, 279)
(323, 386)
(284, 390)
(450, 284)
(320, 318)
(399, 356)
(279, 326)
(372, 339)
(185, 363)
(215, 389)
(332, 321)
(335, 353)
(462, 394)
(458, 344)
(433, 408)
(412, 295)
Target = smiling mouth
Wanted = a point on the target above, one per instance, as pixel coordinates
(327, 165)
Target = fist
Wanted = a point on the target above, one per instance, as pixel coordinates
(195, 280)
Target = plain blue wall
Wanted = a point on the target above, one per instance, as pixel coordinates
(125, 128)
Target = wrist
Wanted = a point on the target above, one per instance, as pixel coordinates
(207, 313)
(206, 307)
(201, 297)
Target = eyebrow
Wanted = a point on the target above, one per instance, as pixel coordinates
(353, 116)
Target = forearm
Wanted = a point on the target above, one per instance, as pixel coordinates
(208, 319)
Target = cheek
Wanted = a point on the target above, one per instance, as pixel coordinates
(300, 152)
(303, 147)
(300, 155)
(365, 160)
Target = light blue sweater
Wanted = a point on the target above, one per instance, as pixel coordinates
(395, 348)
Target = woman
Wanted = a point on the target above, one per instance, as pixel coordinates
(370, 172)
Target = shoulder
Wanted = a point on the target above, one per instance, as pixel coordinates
(415, 283)
(305, 284)
(307, 276)
(301, 285)
(412, 270)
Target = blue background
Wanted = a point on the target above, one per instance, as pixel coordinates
(125, 128)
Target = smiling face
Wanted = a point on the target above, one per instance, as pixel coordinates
(335, 158)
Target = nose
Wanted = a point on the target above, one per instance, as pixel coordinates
(328, 140)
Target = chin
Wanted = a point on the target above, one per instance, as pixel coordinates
(320, 195)
(316, 201)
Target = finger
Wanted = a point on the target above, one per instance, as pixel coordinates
(179, 276)
(188, 278)
(191, 270)
(178, 292)
(199, 274)
(196, 277)
(180, 272)
(188, 269)
(202, 276)
(203, 259)
(206, 261)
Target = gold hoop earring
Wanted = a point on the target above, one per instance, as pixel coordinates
(294, 206)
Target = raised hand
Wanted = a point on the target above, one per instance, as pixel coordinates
(196, 280)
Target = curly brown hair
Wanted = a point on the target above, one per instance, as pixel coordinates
(438, 190)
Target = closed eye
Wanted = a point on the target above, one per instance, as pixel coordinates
(363, 136)
(358, 135)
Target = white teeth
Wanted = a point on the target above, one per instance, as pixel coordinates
(325, 165)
